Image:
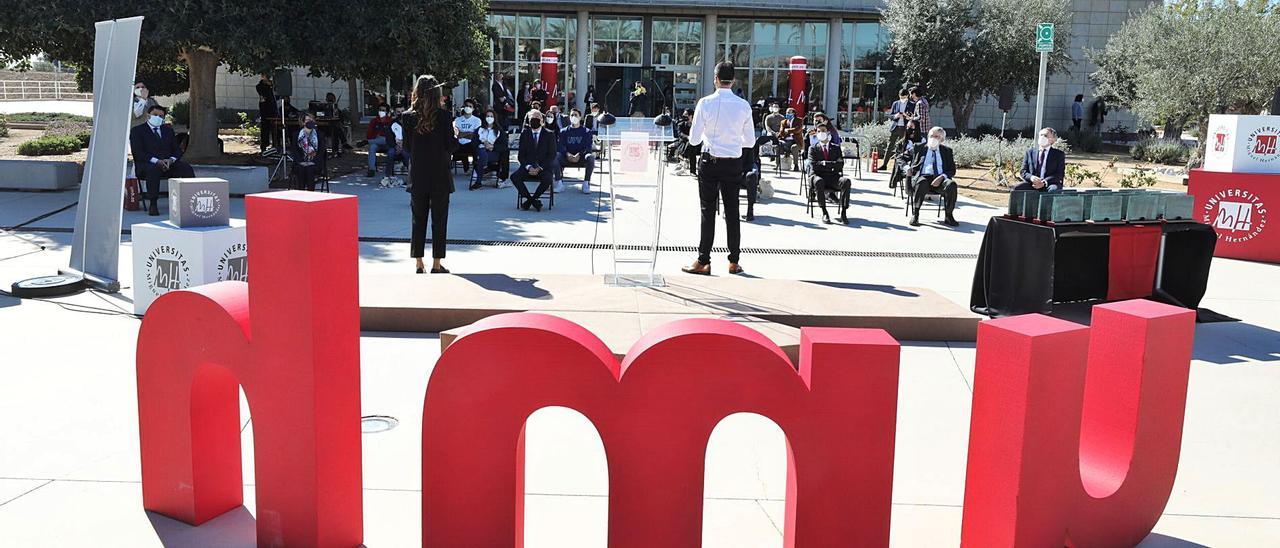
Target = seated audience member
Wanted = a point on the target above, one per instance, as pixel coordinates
(467, 125)
(156, 155)
(934, 170)
(309, 151)
(821, 120)
(492, 147)
(554, 120)
(1043, 167)
(690, 151)
(773, 122)
(751, 179)
(380, 138)
(790, 138)
(903, 153)
(537, 155)
(575, 144)
(592, 117)
(827, 175)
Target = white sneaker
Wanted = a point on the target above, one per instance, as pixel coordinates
(559, 186)
(586, 187)
(504, 184)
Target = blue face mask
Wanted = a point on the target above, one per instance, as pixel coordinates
(311, 125)
(155, 121)
(791, 117)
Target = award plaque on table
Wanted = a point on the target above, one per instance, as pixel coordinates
(1176, 206)
(1061, 208)
(1141, 206)
(1104, 207)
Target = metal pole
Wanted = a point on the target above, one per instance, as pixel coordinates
(1044, 67)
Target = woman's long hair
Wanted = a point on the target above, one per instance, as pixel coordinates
(426, 102)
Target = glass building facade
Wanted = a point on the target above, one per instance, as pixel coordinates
(672, 52)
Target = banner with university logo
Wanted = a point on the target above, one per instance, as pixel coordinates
(1241, 176)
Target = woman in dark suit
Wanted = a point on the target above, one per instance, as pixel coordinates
(430, 140)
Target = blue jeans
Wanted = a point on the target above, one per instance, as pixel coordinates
(588, 160)
(380, 143)
(483, 157)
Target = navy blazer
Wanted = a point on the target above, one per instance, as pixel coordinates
(545, 154)
(1055, 168)
(144, 145)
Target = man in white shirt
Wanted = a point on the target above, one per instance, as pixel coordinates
(468, 126)
(142, 103)
(722, 126)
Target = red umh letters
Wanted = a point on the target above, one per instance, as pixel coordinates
(655, 412)
(298, 358)
(1074, 440)
(1075, 432)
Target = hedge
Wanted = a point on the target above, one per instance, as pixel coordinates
(4, 126)
(47, 117)
(53, 145)
(1161, 152)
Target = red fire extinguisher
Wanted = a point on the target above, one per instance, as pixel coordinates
(131, 195)
(875, 161)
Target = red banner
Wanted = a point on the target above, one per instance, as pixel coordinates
(798, 97)
(550, 79)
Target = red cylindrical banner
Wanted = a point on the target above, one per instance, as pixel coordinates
(550, 83)
(797, 98)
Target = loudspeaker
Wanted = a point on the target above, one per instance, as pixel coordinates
(1275, 103)
(282, 81)
(1006, 97)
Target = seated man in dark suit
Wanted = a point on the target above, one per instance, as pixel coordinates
(751, 177)
(933, 170)
(156, 155)
(826, 162)
(1043, 167)
(537, 154)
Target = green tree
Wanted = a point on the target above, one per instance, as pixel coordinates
(342, 39)
(964, 50)
(1211, 58)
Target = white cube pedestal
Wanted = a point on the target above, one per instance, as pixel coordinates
(166, 258)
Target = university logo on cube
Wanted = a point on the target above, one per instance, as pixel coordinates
(1220, 142)
(1262, 144)
(1075, 432)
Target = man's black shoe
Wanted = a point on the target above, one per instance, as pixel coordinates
(154, 210)
(950, 222)
(915, 220)
(525, 205)
(537, 205)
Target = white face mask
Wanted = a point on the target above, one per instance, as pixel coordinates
(488, 119)
(155, 120)
(467, 110)
(382, 114)
(824, 136)
(140, 92)
(773, 109)
(575, 119)
(934, 142)
(1044, 141)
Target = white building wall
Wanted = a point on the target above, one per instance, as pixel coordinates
(237, 91)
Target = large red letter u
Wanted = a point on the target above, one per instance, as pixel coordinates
(1069, 450)
(297, 357)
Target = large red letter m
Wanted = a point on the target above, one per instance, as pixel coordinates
(655, 413)
(297, 357)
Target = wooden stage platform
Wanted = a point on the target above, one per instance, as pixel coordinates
(619, 315)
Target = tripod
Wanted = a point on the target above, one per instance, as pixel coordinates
(282, 166)
(996, 173)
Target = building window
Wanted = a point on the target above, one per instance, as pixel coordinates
(616, 40)
(677, 42)
(868, 82)
(762, 50)
(518, 48)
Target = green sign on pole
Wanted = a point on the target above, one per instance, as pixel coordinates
(1044, 37)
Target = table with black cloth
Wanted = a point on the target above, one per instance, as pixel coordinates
(1025, 267)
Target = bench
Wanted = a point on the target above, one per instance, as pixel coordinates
(39, 174)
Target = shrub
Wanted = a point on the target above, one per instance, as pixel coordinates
(246, 124)
(1138, 177)
(1161, 152)
(1086, 141)
(46, 117)
(1077, 174)
(70, 128)
(872, 136)
(50, 145)
(4, 126)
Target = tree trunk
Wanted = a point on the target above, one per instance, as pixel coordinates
(960, 113)
(1173, 129)
(202, 72)
(353, 102)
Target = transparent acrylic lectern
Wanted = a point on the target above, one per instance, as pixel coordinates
(632, 157)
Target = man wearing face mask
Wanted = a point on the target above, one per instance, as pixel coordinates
(828, 174)
(933, 169)
(380, 138)
(467, 125)
(156, 155)
(1043, 167)
(537, 154)
(142, 102)
(575, 150)
(789, 138)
